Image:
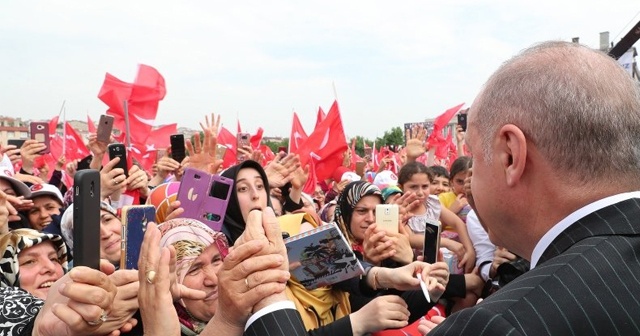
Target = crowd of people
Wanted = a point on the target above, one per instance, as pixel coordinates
(540, 231)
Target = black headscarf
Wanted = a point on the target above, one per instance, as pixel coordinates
(234, 223)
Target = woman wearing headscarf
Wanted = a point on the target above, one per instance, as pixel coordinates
(32, 260)
(199, 255)
(325, 311)
(354, 213)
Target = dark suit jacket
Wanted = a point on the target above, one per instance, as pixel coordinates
(283, 322)
(586, 283)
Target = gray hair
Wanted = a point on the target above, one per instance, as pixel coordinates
(576, 105)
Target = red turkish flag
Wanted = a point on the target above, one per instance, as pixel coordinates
(227, 139)
(440, 122)
(267, 154)
(239, 128)
(53, 125)
(321, 116)
(310, 186)
(160, 137)
(256, 139)
(298, 135)
(90, 125)
(75, 146)
(326, 145)
(142, 97)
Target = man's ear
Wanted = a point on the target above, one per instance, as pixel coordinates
(512, 152)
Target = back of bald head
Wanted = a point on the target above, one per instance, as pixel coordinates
(576, 105)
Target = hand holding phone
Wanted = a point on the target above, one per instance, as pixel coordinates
(462, 121)
(243, 139)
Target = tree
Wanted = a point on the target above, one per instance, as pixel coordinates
(393, 137)
(360, 141)
(275, 145)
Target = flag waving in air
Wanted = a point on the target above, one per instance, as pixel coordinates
(298, 135)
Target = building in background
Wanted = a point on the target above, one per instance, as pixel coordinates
(13, 128)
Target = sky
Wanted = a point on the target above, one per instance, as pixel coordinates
(387, 62)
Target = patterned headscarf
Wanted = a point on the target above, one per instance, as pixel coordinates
(13, 242)
(190, 238)
(347, 201)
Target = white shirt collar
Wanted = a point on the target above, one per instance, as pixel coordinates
(548, 238)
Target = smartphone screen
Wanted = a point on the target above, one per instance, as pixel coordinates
(431, 241)
(178, 151)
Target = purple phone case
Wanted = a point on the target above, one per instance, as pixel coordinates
(135, 219)
(202, 199)
(214, 206)
(194, 187)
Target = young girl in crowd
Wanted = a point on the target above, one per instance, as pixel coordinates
(415, 177)
(456, 199)
(440, 183)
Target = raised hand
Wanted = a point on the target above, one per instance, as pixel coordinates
(279, 171)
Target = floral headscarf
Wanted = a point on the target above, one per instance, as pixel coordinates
(190, 238)
(347, 201)
(13, 242)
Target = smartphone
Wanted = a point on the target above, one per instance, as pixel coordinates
(214, 206)
(243, 139)
(16, 142)
(178, 151)
(105, 126)
(431, 241)
(134, 224)
(282, 149)
(221, 151)
(40, 132)
(360, 168)
(193, 189)
(85, 163)
(462, 121)
(86, 218)
(118, 150)
(387, 216)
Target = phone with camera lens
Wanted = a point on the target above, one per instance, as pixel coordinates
(462, 121)
(40, 132)
(178, 150)
(243, 139)
(387, 216)
(86, 218)
(118, 150)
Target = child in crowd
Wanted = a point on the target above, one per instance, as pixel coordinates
(440, 182)
(456, 199)
(414, 177)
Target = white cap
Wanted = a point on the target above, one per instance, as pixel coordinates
(351, 176)
(7, 173)
(44, 190)
(385, 179)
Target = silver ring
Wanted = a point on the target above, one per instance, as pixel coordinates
(99, 321)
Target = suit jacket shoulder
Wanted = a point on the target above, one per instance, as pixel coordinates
(283, 322)
(587, 285)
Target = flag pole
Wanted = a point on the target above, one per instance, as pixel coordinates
(64, 131)
(335, 93)
(126, 124)
(61, 108)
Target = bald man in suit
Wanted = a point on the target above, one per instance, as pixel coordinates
(555, 136)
